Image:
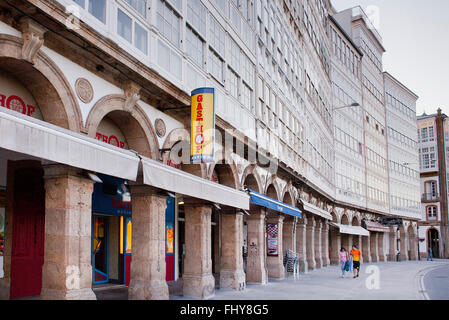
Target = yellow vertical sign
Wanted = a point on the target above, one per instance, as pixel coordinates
(202, 132)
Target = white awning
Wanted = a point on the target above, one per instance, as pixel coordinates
(356, 230)
(315, 210)
(43, 140)
(161, 176)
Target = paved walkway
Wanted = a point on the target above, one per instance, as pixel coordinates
(405, 280)
(396, 281)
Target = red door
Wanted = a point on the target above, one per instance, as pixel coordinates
(27, 256)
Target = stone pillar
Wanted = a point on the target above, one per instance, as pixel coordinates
(404, 244)
(275, 264)
(335, 246)
(374, 246)
(310, 242)
(301, 244)
(148, 269)
(289, 233)
(393, 239)
(67, 270)
(232, 275)
(366, 248)
(325, 243)
(413, 246)
(198, 281)
(381, 246)
(318, 252)
(256, 267)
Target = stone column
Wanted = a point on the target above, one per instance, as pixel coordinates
(413, 246)
(318, 252)
(404, 244)
(335, 245)
(366, 248)
(381, 246)
(275, 264)
(374, 246)
(67, 270)
(148, 269)
(301, 244)
(289, 233)
(310, 242)
(256, 267)
(198, 281)
(232, 275)
(325, 243)
(393, 239)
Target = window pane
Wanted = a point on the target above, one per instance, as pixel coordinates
(80, 2)
(168, 23)
(139, 5)
(194, 46)
(98, 9)
(140, 38)
(124, 25)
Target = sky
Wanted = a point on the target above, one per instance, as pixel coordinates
(415, 34)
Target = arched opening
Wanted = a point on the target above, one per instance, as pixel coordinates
(433, 242)
(44, 80)
(39, 91)
(112, 224)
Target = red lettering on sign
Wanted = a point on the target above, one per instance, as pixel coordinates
(17, 104)
(199, 98)
(112, 140)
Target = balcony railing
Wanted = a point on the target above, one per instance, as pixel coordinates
(430, 197)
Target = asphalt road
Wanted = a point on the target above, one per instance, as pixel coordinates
(436, 282)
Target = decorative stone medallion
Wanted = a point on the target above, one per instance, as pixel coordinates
(160, 127)
(84, 90)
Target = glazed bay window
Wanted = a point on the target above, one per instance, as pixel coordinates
(169, 22)
(132, 31)
(140, 6)
(216, 36)
(216, 66)
(233, 83)
(194, 46)
(196, 16)
(97, 8)
(247, 97)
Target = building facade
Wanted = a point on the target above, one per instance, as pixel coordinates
(96, 169)
(432, 140)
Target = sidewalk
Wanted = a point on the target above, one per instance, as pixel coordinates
(397, 281)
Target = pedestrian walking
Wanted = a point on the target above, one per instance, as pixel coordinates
(343, 261)
(355, 254)
(429, 254)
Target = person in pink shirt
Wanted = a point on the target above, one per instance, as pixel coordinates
(343, 258)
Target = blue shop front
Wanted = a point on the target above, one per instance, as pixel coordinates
(112, 232)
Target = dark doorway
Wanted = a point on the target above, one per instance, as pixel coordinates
(433, 241)
(28, 231)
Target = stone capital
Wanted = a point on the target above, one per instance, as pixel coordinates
(33, 38)
(132, 95)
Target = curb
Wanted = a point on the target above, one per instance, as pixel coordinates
(422, 292)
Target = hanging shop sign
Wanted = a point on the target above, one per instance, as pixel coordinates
(202, 135)
(272, 239)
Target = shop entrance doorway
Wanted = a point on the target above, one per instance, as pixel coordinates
(100, 249)
(433, 242)
(28, 231)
